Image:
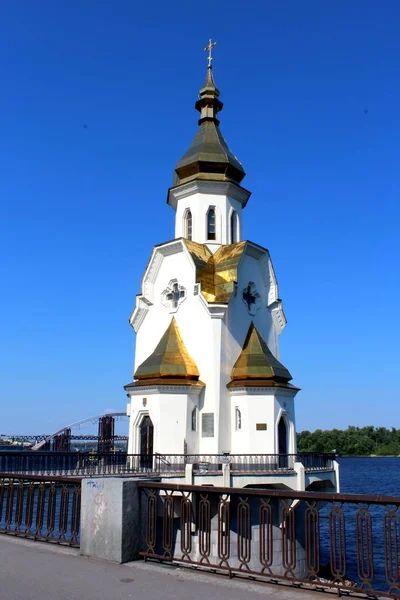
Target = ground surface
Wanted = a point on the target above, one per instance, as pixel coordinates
(37, 571)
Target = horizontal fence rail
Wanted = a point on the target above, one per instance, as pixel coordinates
(341, 541)
(120, 463)
(41, 508)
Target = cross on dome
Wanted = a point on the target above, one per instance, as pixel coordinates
(209, 48)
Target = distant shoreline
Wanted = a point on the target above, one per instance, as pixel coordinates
(367, 456)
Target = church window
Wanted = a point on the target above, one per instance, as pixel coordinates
(188, 225)
(194, 419)
(234, 227)
(251, 298)
(238, 419)
(211, 224)
(173, 295)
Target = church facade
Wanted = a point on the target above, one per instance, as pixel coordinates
(208, 318)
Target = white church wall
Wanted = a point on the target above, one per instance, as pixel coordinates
(198, 204)
(169, 412)
(255, 410)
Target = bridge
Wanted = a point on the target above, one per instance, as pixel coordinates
(61, 440)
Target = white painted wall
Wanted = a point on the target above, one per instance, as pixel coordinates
(198, 204)
(265, 405)
(170, 412)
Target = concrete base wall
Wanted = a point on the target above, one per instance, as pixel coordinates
(111, 524)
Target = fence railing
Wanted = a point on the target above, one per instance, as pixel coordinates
(119, 463)
(341, 541)
(41, 508)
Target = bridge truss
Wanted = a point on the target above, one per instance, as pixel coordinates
(61, 439)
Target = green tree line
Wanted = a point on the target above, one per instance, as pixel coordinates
(353, 441)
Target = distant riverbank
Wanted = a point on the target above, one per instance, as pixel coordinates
(353, 441)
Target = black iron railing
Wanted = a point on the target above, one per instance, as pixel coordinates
(119, 463)
(340, 541)
(316, 461)
(41, 508)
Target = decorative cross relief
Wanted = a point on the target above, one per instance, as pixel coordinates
(251, 298)
(173, 295)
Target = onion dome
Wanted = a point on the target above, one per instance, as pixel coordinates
(208, 157)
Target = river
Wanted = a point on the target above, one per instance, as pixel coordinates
(375, 475)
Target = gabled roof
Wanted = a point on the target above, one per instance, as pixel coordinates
(257, 363)
(169, 360)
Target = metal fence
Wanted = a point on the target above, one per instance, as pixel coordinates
(119, 463)
(342, 541)
(41, 508)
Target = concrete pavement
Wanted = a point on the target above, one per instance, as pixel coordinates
(37, 571)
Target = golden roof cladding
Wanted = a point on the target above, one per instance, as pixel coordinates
(170, 359)
(217, 273)
(256, 361)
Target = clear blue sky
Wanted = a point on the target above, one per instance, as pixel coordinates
(96, 107)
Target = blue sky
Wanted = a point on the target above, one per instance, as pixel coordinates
(96, 108)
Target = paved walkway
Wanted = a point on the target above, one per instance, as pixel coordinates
(37, 571)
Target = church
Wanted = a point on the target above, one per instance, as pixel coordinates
(208, 318)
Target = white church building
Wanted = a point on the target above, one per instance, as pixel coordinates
(208, 379)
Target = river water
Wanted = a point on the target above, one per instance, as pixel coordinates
(370, 476)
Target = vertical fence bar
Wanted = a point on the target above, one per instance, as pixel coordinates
(30, 491)
(151, 523)
(168, 525)
(364, 546)
(186, 527)
(288, 538)
(224, 537)
(204, 529)
(337, 540)
(243, 533)
(10, 504)
(19, 505)
(266, 536)
(391, 537)
(312, 533)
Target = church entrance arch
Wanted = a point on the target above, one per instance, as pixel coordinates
(146, 431)
(282, 443)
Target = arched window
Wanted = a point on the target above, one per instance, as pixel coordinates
(211, 224)
(234, 227)
(238, 419)
(188, 225)
(194, 419)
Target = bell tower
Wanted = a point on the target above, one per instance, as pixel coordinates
(206, 194)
